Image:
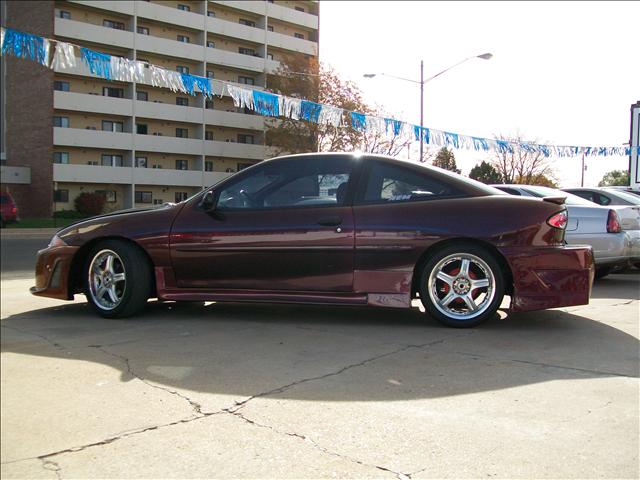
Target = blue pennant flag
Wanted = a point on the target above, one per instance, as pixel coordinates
(358, 121)
(451, 139)
(395, 125)
(480, 144)
(98, 63)
(310, 111)
(25, 45)
(266, 103)
(426, 134)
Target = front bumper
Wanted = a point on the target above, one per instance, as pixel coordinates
(53, 268)
(550, 277)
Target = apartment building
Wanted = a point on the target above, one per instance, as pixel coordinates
(70, 132)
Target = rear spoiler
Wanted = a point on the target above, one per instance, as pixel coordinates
(556, 200)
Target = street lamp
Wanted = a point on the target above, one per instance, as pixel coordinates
(484, 56)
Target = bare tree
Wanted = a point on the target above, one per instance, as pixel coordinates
(521, 166)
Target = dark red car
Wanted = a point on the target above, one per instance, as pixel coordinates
(8, 209)
(337, 229)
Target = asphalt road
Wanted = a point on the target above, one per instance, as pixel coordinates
(18, 256)
(259, 391)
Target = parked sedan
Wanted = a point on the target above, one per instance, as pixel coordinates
(605, 196)
(613, 232)
(337, 229)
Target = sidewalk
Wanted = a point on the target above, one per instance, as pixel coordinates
(28, 232)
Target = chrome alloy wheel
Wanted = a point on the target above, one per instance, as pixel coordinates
(462, 286)
(107, 279)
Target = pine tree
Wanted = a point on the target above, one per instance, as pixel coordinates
(446, 159)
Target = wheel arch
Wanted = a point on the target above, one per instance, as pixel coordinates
(75, 281)
(431, 250)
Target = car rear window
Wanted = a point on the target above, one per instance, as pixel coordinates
(538, 191)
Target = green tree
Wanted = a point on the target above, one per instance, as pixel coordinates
(485, 173)
(538, 179)
(615, 177)
(446, 159)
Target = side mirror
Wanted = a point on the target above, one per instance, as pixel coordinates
(208, 202)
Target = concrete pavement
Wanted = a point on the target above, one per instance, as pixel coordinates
(224, 390)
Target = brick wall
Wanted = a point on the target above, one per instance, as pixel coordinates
(29, 111)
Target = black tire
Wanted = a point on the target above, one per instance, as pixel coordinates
(602, 272)
(456, 312)
(132, 293)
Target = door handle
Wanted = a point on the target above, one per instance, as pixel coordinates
(330, 221)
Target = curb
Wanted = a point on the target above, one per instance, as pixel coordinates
(28, 232)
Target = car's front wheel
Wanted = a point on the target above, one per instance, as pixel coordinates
(462, 285)
(117, 279)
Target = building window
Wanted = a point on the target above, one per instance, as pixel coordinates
(270, 56)
(113, 92)
(248, 23)
(247, 51)
(110, 196)
(113, 24)
(211, 13)
(211, 44)
(61, 196)
(109, 126)
(182, 101)
(64, 14)
(298, 35)
(242, 166)
(300, 9)
(184, 8)
(208, 166)
(61, 157)
(208, 104)
(270, 28)
(142, 30)
(182, 69)
(183, 38)
(158, 201)
(111, 160)
(243, 138)
(142, 129)
(181, 196)
(156, 165)
(182, 164)
(143, 197)
(61, 86)
(246, 80)
(142, 96)
(182, 133)
(62, 122)
(210, 74)
(141, 162)
(208, 135)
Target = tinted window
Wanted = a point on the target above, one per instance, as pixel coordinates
(584, 194)
(571, 199)
(510, 191)
(603, 200)
(291, 183)
(395, 183)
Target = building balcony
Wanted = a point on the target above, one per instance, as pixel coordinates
(174, 113)
(161, 176)
(235, 60)
(87, 32)
(125, 7)
(160, 144)
(77, 137)
(166, 47)
(91, 174)
(233, 119)
(83, 102)
(170, 15)
(287, 42)
(289, 15)
(10, 174)
(234, 150)
(235, 30)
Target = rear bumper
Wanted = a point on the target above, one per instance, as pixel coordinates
(53, 266)
(550, 277)
(610, 249)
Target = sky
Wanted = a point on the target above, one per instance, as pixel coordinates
(562, 73)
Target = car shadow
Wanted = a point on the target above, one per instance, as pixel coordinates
(616, 285)
(360, 354)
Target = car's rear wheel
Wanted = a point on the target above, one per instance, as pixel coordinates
(117, 279)
(602, 272)
(462, 285)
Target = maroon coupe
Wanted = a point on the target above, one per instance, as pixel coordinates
(328, 228)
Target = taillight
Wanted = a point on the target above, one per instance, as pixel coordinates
(558, 220)
(613, 222)
(14, 210)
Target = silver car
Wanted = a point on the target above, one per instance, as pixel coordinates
(613, 232)
(605, 196)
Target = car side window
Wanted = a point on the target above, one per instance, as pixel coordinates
(510, 191)
(388, 183)
(603, 199)
(586, 195)
(289, 183)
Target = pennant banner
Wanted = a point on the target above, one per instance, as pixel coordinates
(65, 57)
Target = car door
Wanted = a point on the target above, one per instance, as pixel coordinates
(284, 224)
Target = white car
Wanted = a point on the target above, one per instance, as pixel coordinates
(613, 231)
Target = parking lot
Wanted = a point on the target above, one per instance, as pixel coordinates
(272, 391)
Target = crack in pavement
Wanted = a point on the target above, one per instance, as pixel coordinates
(316, 445)
(52, 466)
(48, 340)
(542, 364)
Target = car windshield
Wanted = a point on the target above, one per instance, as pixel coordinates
(629, 197)
(572, 199)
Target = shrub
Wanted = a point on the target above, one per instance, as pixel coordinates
(68, 214)
(89, 203)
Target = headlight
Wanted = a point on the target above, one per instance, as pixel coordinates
(56, 241)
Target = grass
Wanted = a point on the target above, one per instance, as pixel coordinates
(42, 223)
